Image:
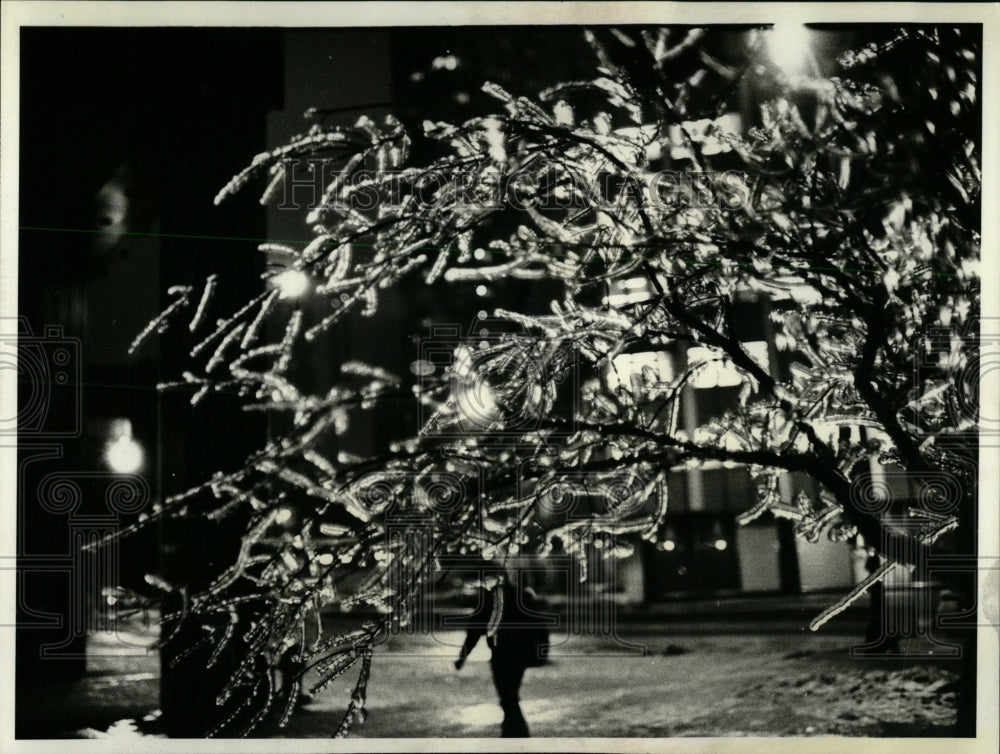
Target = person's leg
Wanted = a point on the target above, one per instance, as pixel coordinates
(507, 679)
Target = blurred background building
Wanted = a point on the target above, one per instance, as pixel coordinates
(126, 135)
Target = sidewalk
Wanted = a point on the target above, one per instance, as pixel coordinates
(734, 613)
(122, 682)
(658, 650)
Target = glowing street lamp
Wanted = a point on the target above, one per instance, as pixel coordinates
(122, 453)
(291, 284)
(789, 45)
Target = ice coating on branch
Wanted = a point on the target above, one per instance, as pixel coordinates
(657, 286)
(159, 323)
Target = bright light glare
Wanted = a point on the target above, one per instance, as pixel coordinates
(669, 545)
(629, 291)
(721, 544)
(627, 369)
(446, 62)
(718, 372)
(475, 398)
(291, 283)
(477, 402)
(788, 44)
(123, 455)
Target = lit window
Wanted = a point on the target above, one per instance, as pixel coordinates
(701, 132)
(445, 62)
(718, 371)
(629, 291)
(627, 370)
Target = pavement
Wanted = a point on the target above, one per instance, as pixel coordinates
(738, 666)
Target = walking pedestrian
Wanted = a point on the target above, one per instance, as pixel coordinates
(509, 617)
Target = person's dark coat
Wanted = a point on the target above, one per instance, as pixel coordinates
(516, 633)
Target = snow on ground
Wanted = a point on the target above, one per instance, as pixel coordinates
(662, 679)
(718, 685)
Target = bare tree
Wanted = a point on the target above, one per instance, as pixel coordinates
(849, 215)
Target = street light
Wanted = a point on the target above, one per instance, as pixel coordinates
(122, 453)
(291, 283)
(789, 46)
